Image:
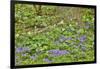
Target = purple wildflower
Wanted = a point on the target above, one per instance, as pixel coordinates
(22, 49)
(58, 52)
(83, 48)
(26, 48)
(33, 57)
(19, 49)
(62, 52)
(62, 38)
(69, 38)
(24, 54)
(82, 38)
(53, 51)
(47, 60)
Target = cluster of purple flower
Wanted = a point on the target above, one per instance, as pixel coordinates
(24, 55)
(33, 57)
(47, 60)
(83, 48)
(57, 52)
(82, 38)
(22, 49)
(62, 39)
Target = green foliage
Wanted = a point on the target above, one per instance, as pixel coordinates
(53, 30)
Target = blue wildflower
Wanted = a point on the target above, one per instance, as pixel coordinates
(47, 60)
(58, 52)
(53, 51)
(62, 52)
(24, 54)
(22, 49)
(33, 57)
(69, 38)
(82, 38)
(62, 38)
(26, 49)
(83, 48)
